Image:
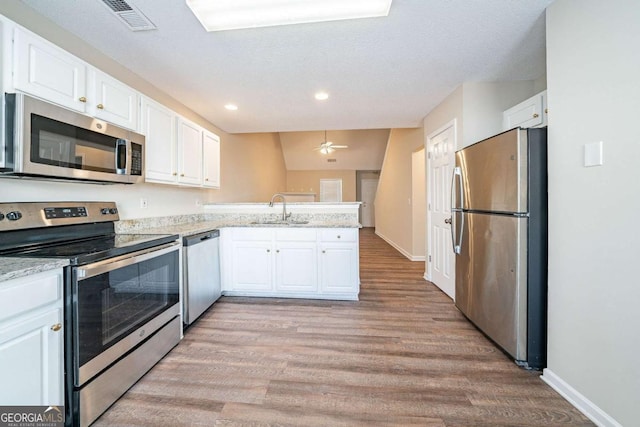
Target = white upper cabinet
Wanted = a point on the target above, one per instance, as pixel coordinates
(211, 159)
(189, 153)
(46, 71)
(528, 114)
(113, 101)
(178, 151)
(158, 124)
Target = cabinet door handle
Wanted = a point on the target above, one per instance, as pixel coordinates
(324, 252)
(56, 327)
(82, 99)
(268, 250)
(175, 174)
(546, 111)
(338, 236)
(277, 251)
(100, 107)
(536, 115)
(181, 174)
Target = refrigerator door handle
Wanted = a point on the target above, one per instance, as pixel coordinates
(455, 210)
(457, 246)
(457, 171)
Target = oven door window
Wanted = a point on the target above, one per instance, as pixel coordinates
(111, 305)
(59, 144)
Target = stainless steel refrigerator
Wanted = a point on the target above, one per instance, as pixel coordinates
(499, 230)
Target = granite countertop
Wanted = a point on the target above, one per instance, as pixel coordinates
(189, 229)
(12, 268)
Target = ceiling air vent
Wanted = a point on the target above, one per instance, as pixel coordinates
(332, 160)
(129, 15)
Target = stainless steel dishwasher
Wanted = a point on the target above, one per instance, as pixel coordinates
(201, 273)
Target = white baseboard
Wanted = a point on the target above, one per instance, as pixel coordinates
(399, 249)
(581, 403)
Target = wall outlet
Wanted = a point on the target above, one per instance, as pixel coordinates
(143, 203)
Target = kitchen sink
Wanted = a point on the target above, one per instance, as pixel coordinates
(280, 222)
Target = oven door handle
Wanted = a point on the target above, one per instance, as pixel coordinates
(95, 269)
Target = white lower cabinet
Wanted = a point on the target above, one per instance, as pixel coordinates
(339, 266)
(296, 267)
(252, 266)
(31, 340)
(290, 262)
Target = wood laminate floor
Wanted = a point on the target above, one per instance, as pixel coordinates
(401, 356)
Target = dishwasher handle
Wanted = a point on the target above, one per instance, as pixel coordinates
(200, 237)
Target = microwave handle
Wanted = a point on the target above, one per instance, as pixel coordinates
(121, 156)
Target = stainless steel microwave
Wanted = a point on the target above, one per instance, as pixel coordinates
(45, 141)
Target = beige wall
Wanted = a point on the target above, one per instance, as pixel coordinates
(594, 95)
(252, 165)
(309, 182)
(393, 206)
(419, 202)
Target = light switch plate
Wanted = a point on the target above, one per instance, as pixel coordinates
(593, 154)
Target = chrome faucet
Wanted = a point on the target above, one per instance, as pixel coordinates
(284, 205)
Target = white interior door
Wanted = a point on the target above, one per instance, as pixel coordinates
(441, 146)
(368, 189)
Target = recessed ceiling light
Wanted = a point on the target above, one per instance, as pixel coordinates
(321, 96)
(218, 15)
(231, 107)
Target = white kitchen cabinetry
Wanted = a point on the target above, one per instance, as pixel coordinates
(296, 260)
(113, 101)
(189, 153)
(290, 262)
(527, 114)
(178, 151)
(46, 71)
(210, 159)
(339, 261)
(31, 340)
(252, 265)
(161, 147)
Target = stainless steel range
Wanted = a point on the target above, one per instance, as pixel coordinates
(122, 304)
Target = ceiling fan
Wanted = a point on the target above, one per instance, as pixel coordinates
(328, 147)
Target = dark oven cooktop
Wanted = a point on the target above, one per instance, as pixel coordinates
(82, 232)
(86, 251)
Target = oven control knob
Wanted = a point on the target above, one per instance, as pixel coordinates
(113, 211)
(14, 216)
(1, 216)
(104, 211)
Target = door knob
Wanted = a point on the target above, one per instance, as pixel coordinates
(447, 221)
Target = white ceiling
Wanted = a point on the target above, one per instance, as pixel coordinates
(380, 72)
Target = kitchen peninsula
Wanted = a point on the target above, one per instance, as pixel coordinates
(312, 253)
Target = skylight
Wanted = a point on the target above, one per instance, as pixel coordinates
(219, 15)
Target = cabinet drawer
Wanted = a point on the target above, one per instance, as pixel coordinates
(21, 295)
(296, 234)
(340, 235)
